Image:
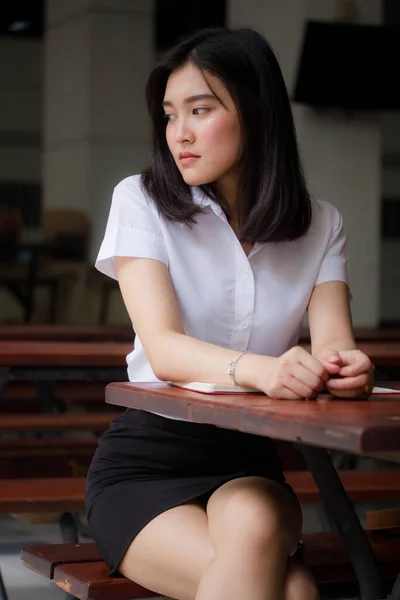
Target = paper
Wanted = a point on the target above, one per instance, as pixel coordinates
(381, 390)
(227, 388)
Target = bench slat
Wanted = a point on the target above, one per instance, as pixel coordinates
(74, 569)
(46, 422)
(94, 583)
(326, 548)
(39, 495)
(56, 457)
(35, 495)
(45, 558)
(360, 486)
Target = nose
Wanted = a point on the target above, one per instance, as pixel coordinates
(183, 132)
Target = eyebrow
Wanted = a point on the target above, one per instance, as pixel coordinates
(192, 99)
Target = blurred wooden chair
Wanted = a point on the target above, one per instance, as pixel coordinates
(19, 265)
(67, 235)
(67, 232)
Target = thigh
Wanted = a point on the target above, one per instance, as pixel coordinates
(170, 554)
(254, 508)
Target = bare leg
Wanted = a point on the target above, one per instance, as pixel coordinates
(254, 527)
(171, 553)
(299, 584)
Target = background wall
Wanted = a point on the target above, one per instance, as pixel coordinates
(21, 80)
(73, 117)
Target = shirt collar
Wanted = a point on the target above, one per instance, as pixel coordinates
(201, 199)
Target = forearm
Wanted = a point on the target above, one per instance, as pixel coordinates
(178, 357)
(342, 343)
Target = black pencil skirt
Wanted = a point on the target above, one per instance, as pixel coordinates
(146, 464)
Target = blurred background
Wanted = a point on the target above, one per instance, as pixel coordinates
(73, 123)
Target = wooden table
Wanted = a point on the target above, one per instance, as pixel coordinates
(67, 333)
(370, 428)
(50, 362)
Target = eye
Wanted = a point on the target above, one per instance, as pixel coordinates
(169, 117)
(200, 111)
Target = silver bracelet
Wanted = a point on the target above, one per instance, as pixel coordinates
(233, 365)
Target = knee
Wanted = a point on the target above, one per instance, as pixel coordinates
(300, 584)
(257, 522)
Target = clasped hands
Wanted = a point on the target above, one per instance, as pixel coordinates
(299, 375)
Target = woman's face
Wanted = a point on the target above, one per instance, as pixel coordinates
(203, 135)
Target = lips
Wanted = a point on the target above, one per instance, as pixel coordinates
(184, 155)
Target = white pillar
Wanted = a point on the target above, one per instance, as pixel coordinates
(342, 154)
(98, 54)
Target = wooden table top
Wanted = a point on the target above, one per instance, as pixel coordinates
(64, 354)
(370, 427)
(67, 333)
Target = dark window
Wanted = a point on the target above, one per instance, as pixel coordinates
(25, 197)
(391, 218)
(176, 18)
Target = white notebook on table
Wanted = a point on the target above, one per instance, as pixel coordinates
(213, 388)
(230, 388)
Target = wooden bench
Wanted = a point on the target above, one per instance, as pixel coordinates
(67, 333)
(24, 396)
(30, 495)
(87, 580)
(50, 445)
(47, 457)
(57, 422)
(79, 570)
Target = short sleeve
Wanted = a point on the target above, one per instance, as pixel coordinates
(133, 228)
(333, 266)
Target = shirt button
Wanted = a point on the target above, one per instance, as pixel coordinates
(245, 272)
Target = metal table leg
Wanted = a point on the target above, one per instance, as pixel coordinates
(69, 529)
(346, 522)
(3, 593)
(395, 595)
(5, 376)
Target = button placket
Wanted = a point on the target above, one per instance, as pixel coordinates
(244, 303)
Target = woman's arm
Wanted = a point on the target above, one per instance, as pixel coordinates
(329, 318)
(151, 303)
(332, 341)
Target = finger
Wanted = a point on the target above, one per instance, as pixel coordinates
(313, 364)
(307, 377)
(285, 394)
(288, 394)
(347, 393)
(299, 388)
(348, 383)
(331, 368)
(362, 365)
(333, 357)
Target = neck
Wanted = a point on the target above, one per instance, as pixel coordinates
(229, 189)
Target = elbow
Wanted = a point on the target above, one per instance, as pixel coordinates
(160, 372)
(162, 357)
(160, 364)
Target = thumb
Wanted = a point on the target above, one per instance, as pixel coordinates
(332, 362)
(333, 357)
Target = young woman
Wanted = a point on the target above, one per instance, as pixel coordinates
(219, 252)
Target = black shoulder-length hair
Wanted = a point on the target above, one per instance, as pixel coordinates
(273, 202)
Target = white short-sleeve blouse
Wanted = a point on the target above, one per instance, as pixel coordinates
(254, 302)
